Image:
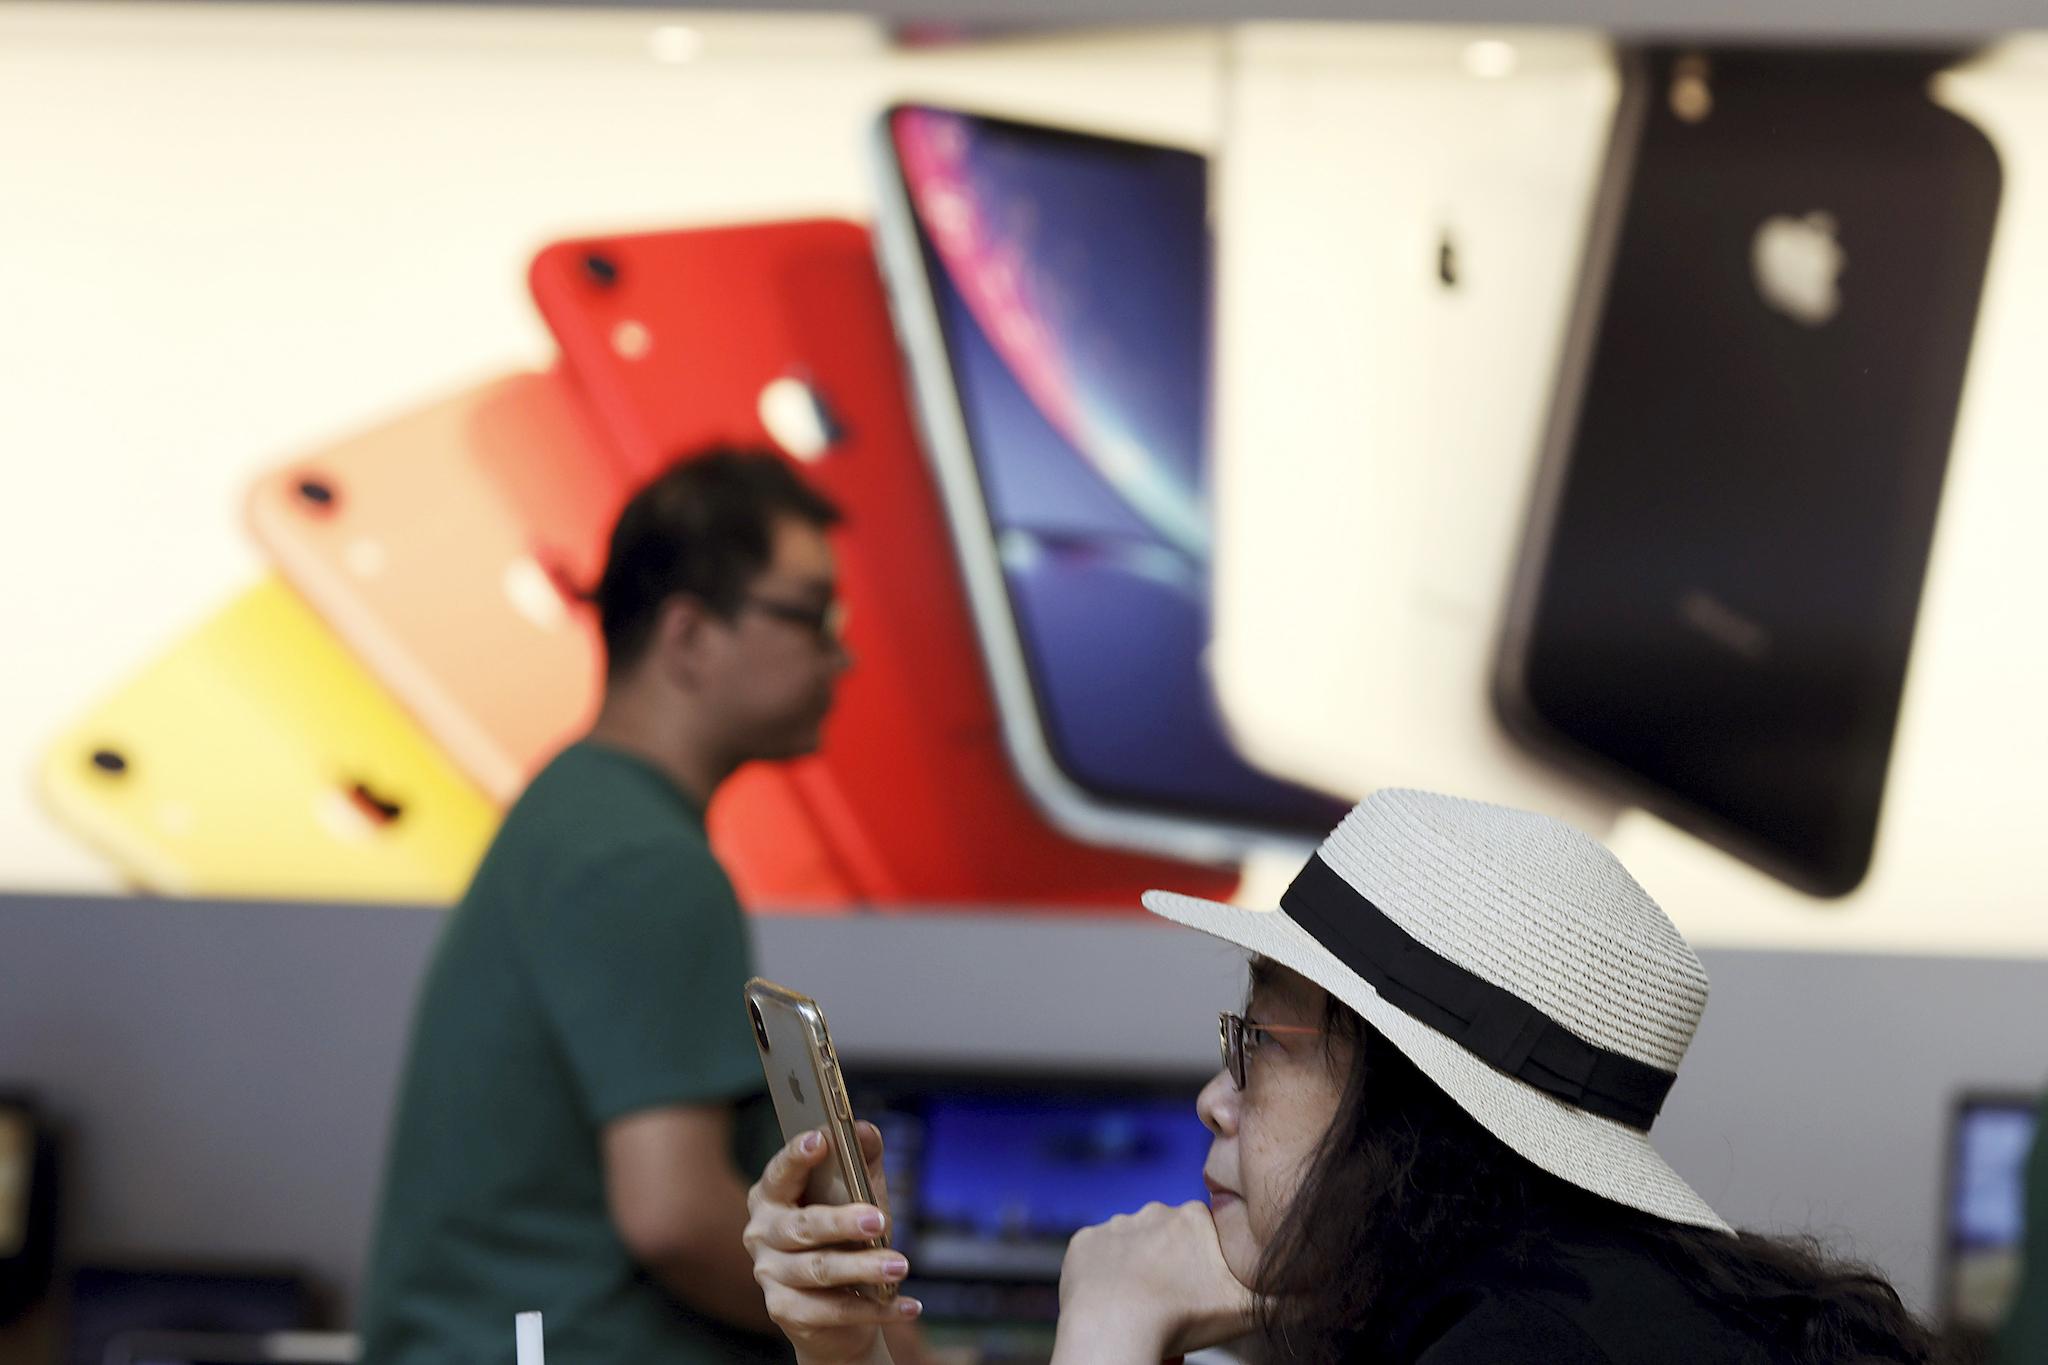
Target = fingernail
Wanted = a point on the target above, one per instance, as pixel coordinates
(810, 1143)
(909, 1308)
(871, 1224)
(896, 1268)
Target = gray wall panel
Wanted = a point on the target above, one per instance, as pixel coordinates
(227, 1069)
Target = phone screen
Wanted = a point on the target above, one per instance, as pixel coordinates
(1071, 275)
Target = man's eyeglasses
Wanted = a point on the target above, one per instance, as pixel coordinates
(1239, 1038)
(827, 622)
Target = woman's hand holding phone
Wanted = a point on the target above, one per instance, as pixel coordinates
(811, 1259)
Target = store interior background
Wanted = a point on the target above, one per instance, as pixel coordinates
(235, 231)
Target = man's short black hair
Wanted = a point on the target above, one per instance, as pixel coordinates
(705, 528)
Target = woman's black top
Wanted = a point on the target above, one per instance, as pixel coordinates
(1583, 1300)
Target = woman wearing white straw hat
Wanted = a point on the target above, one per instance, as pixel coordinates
(1431, 1140)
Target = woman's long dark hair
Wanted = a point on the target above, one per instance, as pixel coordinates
(1407, 1186)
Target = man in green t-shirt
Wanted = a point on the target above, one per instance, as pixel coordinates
(581, 1111)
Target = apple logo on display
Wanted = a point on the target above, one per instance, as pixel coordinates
(798, 418)
(1797, 262)
(533, 593)
(795, 1088)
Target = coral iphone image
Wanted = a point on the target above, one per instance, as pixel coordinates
(448, 548)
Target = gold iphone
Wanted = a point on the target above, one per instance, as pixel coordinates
(804, 1081)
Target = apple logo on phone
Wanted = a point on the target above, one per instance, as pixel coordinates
(796, 1088)
(798, 418)
(534, 593)
(1797, 262)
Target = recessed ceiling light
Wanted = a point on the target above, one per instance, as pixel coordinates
(675, 43)
(1490, 59)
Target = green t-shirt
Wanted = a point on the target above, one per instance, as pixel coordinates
(593, 969)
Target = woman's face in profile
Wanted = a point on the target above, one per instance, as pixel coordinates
(1267, 1134)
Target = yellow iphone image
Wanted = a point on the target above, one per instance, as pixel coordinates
(256, 758)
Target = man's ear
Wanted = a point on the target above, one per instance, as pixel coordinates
(683, 632)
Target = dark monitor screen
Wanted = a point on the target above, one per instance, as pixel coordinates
(1984, 1212)
(109, 1301)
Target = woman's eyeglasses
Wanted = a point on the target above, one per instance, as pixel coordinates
(1238, 1037)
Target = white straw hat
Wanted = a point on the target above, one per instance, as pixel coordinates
(1515, 961)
